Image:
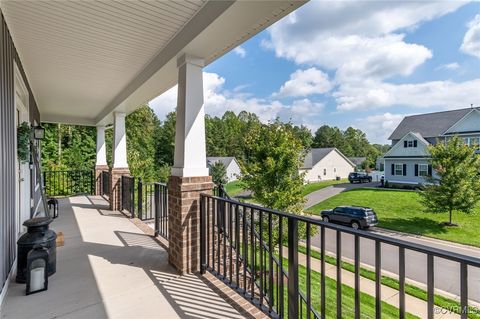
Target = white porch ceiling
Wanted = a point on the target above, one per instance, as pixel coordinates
(86, 59)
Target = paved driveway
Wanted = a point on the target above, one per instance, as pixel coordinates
(327, 192)
(446, 273)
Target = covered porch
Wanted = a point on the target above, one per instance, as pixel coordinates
(109, 268)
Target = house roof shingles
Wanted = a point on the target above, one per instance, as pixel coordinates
(225, 160)
(430, 124)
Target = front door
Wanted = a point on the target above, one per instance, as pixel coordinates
(22, 169)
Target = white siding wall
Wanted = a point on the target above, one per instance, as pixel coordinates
(333, 164)
(233, 171)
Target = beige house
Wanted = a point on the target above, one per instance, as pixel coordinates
(326, 164)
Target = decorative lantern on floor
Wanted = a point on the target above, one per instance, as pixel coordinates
(37, 274)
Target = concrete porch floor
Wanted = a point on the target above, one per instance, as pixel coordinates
(108, 268)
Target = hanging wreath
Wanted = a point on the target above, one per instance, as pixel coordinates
(23, 142)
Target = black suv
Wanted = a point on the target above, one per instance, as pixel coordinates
(359, 177)
(357, 217)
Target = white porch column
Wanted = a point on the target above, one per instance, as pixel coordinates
(119, 165)
(120, 141)
(101, 150)
(189, 173)
(101, 161)
(190, 150)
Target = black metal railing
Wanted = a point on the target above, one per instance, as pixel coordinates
(161, 209)
(147, 201)
(69, 182)
(256, 251)
(127, 194)
(105, 183)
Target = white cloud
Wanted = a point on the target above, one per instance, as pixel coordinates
(240, 51)
(440, 94)
(449, 66)
(471, 40)
(356, 38)
(379, 127)
(218, 101)
(304, 83)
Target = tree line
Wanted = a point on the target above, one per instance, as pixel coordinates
(151, 142)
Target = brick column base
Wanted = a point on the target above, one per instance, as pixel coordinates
(184, 221)
(115, 185)
(98, 178)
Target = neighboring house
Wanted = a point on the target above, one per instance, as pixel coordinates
(358, 161)
(380, 164)
(407, 161)
(231, 165)
(326, 164)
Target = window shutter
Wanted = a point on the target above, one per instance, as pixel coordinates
(405, 144)
(429, 170)
(393, 169)
(404, 169)
(415, 143)
(416, 169)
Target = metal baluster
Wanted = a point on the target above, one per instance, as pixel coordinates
(357, 277)
(237, 245)
(430, 286)
(309, 272)
(281, 285)
(262, 261)
(401, 279)
(270, 263)
(378, 280)
(230, 239)
(293, 295)
(203, 239)
(252, 254)
(339, 274)
(464, 290)
(322, 273)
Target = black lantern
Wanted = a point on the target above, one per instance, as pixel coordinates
(37, 273)
(38, 132)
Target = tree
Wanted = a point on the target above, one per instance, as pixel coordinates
(166, 140)
(271, 170)
(218, 171)
(456, 184)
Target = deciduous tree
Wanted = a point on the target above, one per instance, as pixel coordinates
(455, 185)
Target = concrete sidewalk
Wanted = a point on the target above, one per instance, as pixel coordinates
(413, 306)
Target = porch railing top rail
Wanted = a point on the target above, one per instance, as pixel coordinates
(441, 253)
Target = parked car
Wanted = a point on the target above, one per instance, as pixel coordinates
(359, 177)
(357, 217)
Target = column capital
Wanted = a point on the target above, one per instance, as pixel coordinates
(119, 114)
(189, 59)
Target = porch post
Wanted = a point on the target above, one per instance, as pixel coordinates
(101, 162)
(190, 175)
(119, 165)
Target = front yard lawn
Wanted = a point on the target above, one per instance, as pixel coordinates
(315, 186)
(402, 211)
(234, 188)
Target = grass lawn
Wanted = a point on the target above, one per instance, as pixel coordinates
(234, 188)
(367, 302)
(309, 188)
(402, 211)
(411, 290)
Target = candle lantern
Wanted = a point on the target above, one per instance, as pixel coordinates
(38, 132)
(37, 273)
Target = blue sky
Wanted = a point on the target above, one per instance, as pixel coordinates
(364, 64)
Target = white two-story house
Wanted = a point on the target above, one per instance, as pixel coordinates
(407, 161)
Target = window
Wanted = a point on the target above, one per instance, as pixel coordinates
(399, 169)
(334, 169)
(324, 171)
(410, 143)
(423, 170)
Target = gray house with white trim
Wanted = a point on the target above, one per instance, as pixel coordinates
(231, 166)
(407, 161)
